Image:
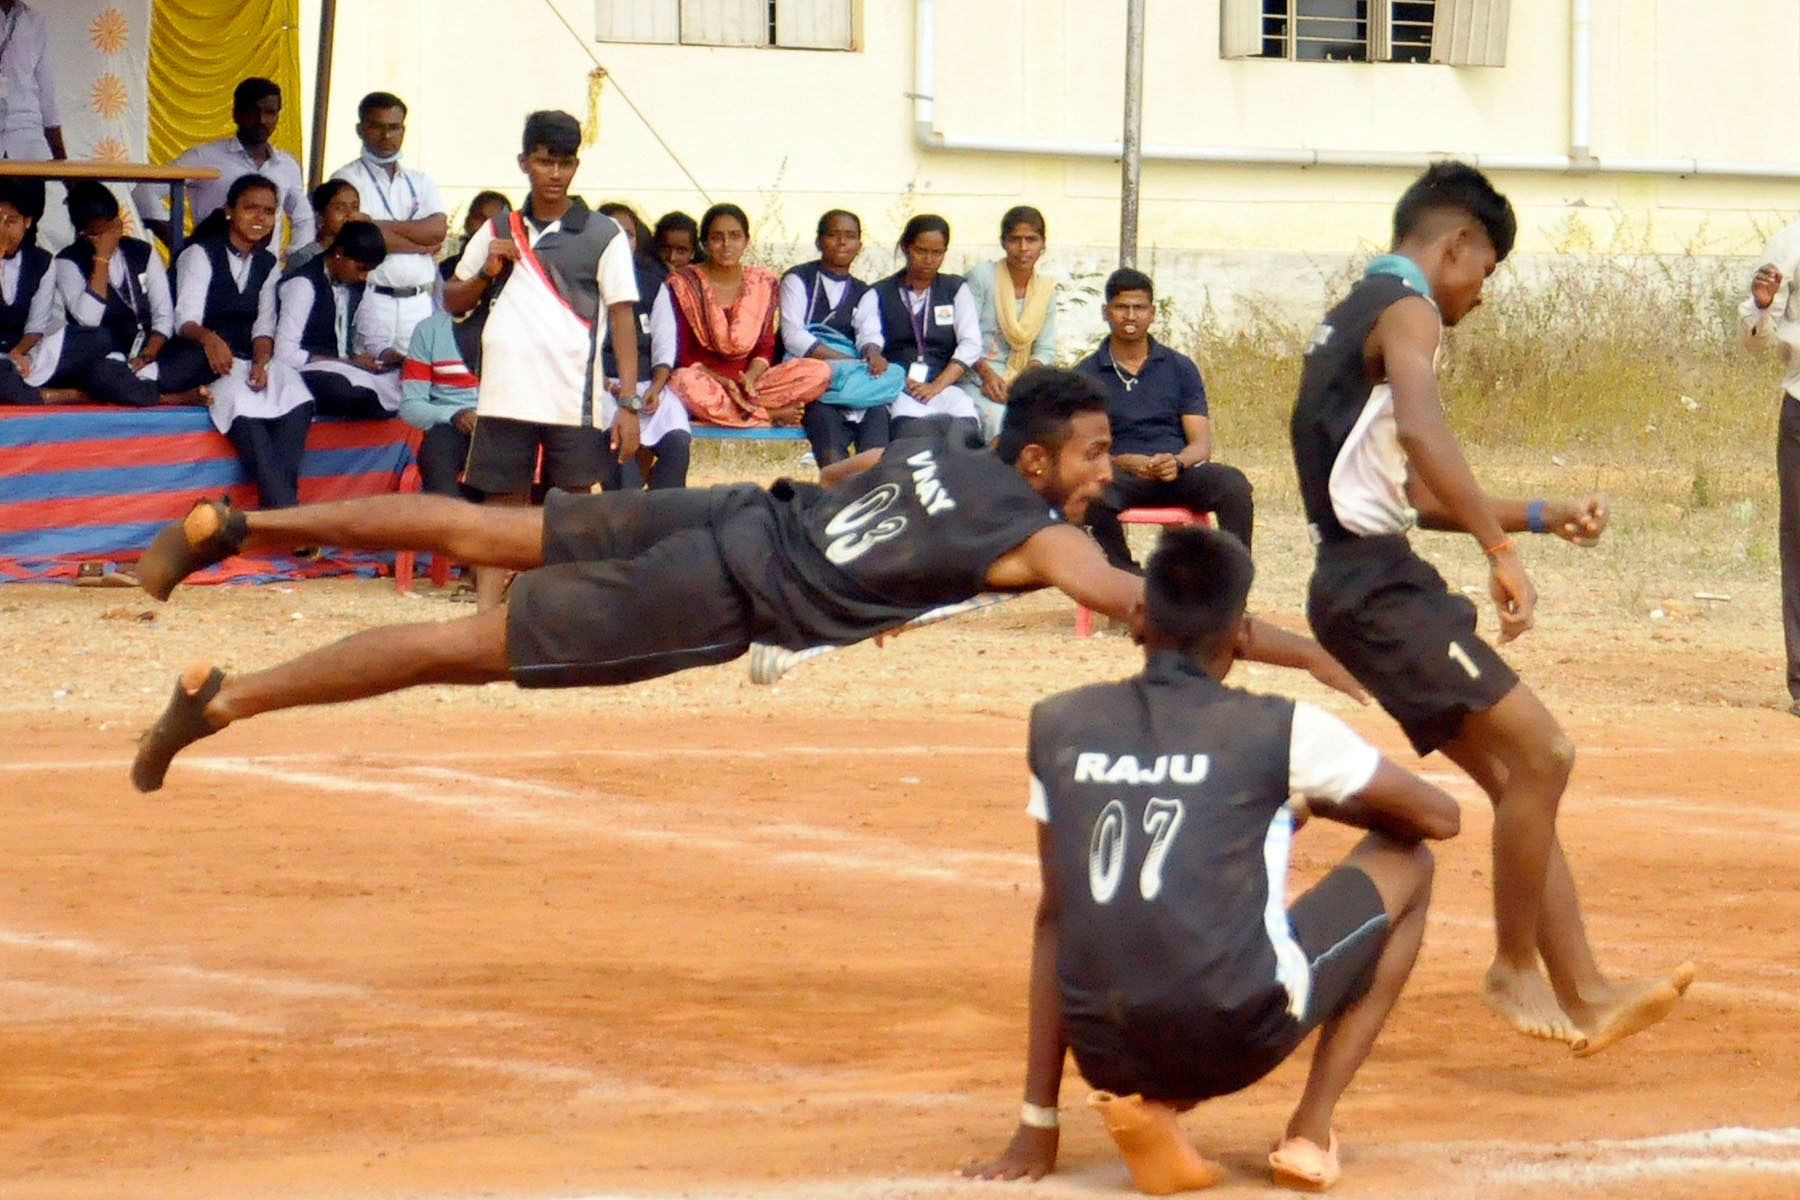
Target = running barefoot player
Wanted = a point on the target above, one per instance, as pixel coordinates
(1162, 955)
(1375, 457)
(929, 521)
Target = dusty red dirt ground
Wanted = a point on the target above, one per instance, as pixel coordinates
(703, 939)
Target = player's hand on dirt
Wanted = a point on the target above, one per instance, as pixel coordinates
(259, 376)
(1764, 284)
(500, 252)
(1030, 1155)
(1514, 594)
(1579, 521)
(624, 435)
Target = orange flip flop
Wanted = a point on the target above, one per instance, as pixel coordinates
(1299, 1163)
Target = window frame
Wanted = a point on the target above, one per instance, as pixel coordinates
(644, 20)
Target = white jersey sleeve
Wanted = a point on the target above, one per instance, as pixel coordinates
(1327, 760)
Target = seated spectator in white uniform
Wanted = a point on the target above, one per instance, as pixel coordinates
(823, 292)
(928, 325)
(116, 296)
(334, 206)
(29, 351)
(437, 397)
(313, 333)
(664, 440)
(225, 313)
(406, 207)
(1017, 305)
(256, 108)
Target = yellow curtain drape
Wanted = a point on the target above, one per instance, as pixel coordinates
(201, 49)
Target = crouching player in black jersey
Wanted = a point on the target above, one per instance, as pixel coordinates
(1163, 956)
(618, 587)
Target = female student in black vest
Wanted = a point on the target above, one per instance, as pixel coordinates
(116, 294)
(27, 303)
(315, 332)
(225, 311)
(824, 292)
(665, 444)
(930, 326)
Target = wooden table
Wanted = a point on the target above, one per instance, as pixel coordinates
(63, 170)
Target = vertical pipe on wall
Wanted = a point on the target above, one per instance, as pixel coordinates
(1131, 159)
(1581, 62)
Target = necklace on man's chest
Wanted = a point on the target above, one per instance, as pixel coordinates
(1130, 381)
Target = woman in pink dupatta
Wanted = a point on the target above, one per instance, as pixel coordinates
(712, 335)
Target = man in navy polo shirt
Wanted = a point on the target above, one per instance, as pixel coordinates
(1162, 439)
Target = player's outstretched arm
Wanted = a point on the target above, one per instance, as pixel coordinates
(1031, 1154)
(1581, 519)
(1276, 646)
(1395, 802)
(1065, 558)
(844, 468)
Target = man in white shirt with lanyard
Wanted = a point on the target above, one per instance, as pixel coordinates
(256, 108)
(30, 128)
(406, 207)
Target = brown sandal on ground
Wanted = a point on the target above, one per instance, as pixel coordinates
(1300, 1164)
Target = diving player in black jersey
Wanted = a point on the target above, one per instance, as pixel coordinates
(1376, 457)
(1162, 955)
(617, 587)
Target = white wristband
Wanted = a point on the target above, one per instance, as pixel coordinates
(1037, 1116)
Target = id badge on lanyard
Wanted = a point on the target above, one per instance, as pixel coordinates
(920, 370)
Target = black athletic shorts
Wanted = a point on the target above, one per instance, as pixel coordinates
(1340, 925)
(1387, 615)
(503, 456)
(633, 586)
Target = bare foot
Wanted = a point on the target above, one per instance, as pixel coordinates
(1527, 1003)
(1637, 1007)
(1149, 1138)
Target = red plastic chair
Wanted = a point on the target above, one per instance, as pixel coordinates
(1164, 517)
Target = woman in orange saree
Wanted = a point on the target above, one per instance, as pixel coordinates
(712, 334)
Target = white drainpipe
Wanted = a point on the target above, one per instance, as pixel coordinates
(1579, 161)
(1581, 87)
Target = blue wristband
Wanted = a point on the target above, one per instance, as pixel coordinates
(1534, 517)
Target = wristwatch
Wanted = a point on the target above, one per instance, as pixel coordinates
(631, 402)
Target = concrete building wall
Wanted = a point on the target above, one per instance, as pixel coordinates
(787, 133)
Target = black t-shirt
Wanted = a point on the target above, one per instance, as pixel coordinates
(1334, 391)
(1163, 793)
(916, 531)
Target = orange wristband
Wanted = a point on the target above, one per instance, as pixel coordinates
(1506, 543)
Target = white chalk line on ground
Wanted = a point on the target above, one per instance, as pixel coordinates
(1470, 1168)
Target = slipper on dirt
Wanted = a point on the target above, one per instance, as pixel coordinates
(182, 723)
(211, 532)
(1299, 1163)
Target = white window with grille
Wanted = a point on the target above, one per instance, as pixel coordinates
(1461, 33)
(792, 24)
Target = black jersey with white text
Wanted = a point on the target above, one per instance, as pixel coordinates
(1346, 448)
(1165, 797)
(916, 531)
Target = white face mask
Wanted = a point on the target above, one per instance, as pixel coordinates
(369, 156)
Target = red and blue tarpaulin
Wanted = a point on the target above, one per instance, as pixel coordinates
(81, 484)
